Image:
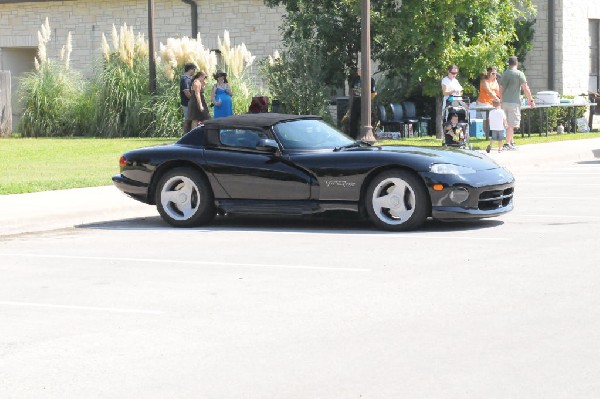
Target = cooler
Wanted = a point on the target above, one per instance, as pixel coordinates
(547, 97)
(476, 128)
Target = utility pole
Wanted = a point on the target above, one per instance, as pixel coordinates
(366, 130)
(151, 60)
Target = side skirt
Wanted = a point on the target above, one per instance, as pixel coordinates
(266, 207)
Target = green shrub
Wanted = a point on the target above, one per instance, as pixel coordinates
(163, 111)
(556, 116)
(295, 79)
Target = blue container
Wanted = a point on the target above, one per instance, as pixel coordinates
(476, 128)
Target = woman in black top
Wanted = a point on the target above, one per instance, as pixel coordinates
(197, 107)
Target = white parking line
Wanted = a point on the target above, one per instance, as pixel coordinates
(186, 262)
(75, 307)
(558, 216)
(427, 235)
(560, 198)
(555, 173)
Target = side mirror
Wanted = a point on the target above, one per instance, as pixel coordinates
(267, 145)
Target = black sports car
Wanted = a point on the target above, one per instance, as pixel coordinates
(288, 164)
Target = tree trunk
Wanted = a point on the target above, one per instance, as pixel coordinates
(438, 117)
(5, 104)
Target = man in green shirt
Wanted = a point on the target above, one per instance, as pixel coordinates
(511, 83)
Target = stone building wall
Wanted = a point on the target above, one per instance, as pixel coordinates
(575, 45)
(536, 62)
(247, 21)
(571, 46)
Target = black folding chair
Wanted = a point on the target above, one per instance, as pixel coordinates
(393, 124)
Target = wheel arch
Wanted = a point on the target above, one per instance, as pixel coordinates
(369, 178)
(166, 167)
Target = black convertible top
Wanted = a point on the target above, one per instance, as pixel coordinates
(262, 120)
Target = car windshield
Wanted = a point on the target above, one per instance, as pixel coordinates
(310, 134)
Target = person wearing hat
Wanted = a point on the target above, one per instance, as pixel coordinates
(185, 93)
(221, 96)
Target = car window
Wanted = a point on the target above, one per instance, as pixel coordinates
(241, 138)
(310, 134)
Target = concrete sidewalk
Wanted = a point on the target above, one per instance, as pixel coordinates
(51, 210)
(541, 155)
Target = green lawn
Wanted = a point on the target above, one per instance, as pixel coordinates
(30, 165)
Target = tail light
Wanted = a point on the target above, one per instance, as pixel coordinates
(122, 161)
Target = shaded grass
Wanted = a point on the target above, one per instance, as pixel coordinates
(30, 165)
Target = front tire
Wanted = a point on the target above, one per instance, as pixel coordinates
(184, 198)
(397, 200)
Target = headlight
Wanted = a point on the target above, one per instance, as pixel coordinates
(450, 169)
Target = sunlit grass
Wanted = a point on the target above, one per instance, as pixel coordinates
(40, 164)
(30, 165)
(480, 143)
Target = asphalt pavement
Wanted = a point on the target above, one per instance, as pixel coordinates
(61, 209)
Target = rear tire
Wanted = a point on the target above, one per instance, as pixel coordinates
(397, 200)
(184, 198)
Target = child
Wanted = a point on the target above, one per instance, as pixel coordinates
(497, 120)
(454, 133)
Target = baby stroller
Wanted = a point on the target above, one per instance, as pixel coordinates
(459, 107)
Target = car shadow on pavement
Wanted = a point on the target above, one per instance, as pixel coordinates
(594, 162)
(335, 222)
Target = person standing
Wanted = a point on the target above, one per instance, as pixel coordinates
(221, 96)
(511, 84)
(450, 85)
(197, 108)
(185, 84)
(489, 90)
(354, 109)
(497, 125)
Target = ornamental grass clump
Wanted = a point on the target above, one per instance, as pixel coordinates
(123, 85)
(237, 62)
(118, 103)
(52, 96)
(178, 52)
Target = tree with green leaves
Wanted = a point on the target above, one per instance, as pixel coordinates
(333, 29)
(419, 39)
(414, 40)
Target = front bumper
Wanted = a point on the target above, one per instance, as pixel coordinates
(483, 194)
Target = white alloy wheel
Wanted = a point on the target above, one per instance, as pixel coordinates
(397, 200)
(393, 201)
(184, 198)
(180, 198)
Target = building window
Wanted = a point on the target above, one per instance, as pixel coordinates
(594, 84)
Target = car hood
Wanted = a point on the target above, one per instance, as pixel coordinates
(473, 159)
